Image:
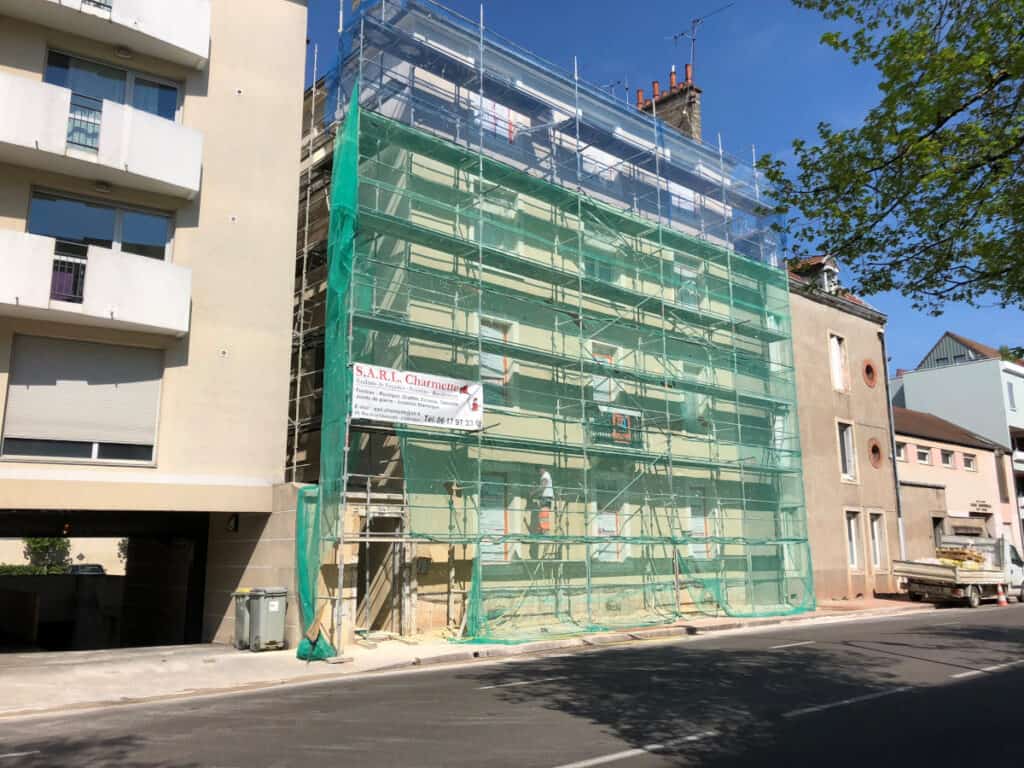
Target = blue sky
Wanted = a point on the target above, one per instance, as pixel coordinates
(766, 80)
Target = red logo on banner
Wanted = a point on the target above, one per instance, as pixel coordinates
(621, 428)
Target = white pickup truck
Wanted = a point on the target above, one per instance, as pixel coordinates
(941, 583)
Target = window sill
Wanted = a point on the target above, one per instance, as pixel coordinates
(76, 462)
(502, 408)
(849, 480)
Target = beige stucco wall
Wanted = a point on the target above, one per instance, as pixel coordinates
(820, 407)
(965, 491)
(101, 551)
(922, 505)
(260, 553)
(221, 430)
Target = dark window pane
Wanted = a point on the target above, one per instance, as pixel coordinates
(57, 67)
(123, 452)
(144, 234)
(63, 449)
(96, 80)
(155, 98)
(74, 221)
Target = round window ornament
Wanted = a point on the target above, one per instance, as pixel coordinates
(870, 373)
(875, 453)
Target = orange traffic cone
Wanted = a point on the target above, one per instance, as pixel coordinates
(1002, 603)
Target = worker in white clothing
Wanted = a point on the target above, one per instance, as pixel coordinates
(541, 520)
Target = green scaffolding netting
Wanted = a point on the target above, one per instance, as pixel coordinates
(648, 371)
(318, 518)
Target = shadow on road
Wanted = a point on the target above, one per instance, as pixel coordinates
(64, 751)
(754, 700)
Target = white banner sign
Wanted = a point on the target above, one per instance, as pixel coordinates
(384, 394)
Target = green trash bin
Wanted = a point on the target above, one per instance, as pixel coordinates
(242, 596)
(267, 608)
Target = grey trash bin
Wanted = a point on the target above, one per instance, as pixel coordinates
(242, 617)
(267, 608)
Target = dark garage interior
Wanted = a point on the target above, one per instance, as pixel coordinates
(158, 600)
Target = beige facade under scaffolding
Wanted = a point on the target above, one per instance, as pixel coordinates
(639, 458)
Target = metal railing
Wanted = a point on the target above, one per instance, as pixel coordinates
(68, 279)
(106, 5)
(84, 121)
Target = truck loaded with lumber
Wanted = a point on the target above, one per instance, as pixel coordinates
(965, 568)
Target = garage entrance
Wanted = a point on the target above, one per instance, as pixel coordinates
(74, 605)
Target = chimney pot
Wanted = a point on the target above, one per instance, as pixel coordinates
(689, 74)
(672, 78)
(655, 89)
(639, 98)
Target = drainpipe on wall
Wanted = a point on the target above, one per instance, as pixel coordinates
(892, 447)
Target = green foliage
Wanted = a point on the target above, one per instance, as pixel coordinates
(52, 554)
(122, 550)
(927, 195)
(7, 569)
(1011, 354)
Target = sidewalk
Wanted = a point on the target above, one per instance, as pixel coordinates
(36, 683)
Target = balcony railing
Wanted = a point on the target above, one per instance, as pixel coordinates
(84, 121)
(68, 281)
(105, 5)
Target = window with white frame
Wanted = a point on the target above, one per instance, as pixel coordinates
(970, 462)
(494, 366)
(924, 455)
(853, 539)
(847, 457)
(837, 362)
(602, 383)
(610, 518)
(91, 83)
(901, 451)
(700, 524)
(689, 285)
(80, 222)
(877, 540)
(494, 517)
(81, 401)
(947, 459)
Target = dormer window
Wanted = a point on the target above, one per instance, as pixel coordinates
(828, 279)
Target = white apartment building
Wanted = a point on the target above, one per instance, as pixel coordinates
(148, 156)
(968, 383)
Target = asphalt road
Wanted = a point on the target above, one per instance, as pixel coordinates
(941, 687)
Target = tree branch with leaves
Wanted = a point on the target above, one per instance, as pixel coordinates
(926, 196)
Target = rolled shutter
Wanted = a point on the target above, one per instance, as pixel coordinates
(81, 391)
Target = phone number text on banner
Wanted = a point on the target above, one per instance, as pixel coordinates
(405, 397)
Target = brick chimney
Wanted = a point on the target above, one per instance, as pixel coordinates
(678, 105)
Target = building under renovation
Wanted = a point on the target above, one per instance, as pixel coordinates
(615, 290)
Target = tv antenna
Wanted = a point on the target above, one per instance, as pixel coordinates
(691, 34)
(624, 82)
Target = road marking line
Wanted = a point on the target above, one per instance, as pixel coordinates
(983, 670)
(614, 757)
(20, 754)
(846, 702)
(968, 673)
(521, 682)
(646, 750)
(792, 645)
(944, 624)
